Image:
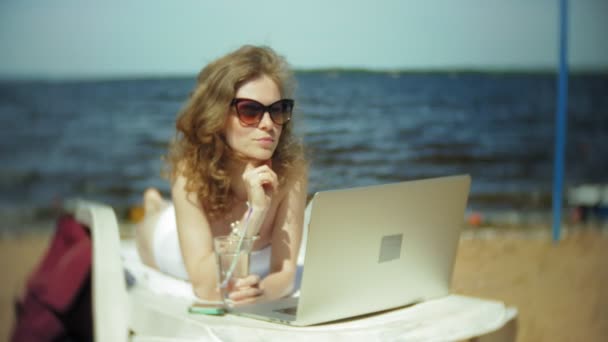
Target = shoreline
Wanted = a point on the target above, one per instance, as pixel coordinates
(476, 224)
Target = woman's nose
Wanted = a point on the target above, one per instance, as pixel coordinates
(266, 122)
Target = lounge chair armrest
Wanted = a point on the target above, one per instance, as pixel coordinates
(110, 302)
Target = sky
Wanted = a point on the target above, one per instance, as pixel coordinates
(84, 38)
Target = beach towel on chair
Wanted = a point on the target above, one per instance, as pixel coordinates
(57, 301)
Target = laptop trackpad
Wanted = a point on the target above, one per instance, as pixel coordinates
(282, 309)
(288, 311)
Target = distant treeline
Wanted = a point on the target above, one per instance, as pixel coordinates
(338, 70)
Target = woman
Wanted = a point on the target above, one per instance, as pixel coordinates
(234, 159)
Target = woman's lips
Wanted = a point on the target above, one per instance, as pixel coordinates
(266, 142)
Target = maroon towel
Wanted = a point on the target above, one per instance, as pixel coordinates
(57, 302)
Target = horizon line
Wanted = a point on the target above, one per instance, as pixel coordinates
(313, 70)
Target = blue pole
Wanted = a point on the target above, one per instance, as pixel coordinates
(560, 125)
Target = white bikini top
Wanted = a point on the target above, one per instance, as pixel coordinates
(168, 256)
(259, 262)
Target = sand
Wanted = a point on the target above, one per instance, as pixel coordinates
(560, 291)
(19, 255)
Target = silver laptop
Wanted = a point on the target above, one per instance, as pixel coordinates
(374, 248)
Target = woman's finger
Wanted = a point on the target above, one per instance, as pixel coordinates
(242, 294)
(250, 280)
(261, 182)
(250, 300)
(270, 175)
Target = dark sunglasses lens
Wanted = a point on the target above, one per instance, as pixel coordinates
(249, 112)
(280, 112)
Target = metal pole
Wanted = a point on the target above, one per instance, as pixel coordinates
(560, 125)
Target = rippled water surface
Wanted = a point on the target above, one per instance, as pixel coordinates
(103, 140)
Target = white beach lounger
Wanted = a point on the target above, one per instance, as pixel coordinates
(155, 307)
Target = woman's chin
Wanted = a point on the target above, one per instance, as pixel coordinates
(260, 158)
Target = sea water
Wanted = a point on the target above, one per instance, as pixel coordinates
(104, 139)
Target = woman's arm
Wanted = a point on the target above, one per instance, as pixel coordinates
(196, 237)
(196, 241)
(286, 238)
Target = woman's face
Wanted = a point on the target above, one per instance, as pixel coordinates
(257, 142)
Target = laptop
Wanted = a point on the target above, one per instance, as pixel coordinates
(372, 249)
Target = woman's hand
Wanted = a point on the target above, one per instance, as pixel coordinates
(261, 183)
(246, 290)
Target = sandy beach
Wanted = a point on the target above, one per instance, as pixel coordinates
(558, 289)
(19, 255)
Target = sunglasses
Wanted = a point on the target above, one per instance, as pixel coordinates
(251, 112)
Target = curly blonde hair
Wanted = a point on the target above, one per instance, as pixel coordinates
(199, 151)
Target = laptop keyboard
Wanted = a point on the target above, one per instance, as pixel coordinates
(288, 311)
